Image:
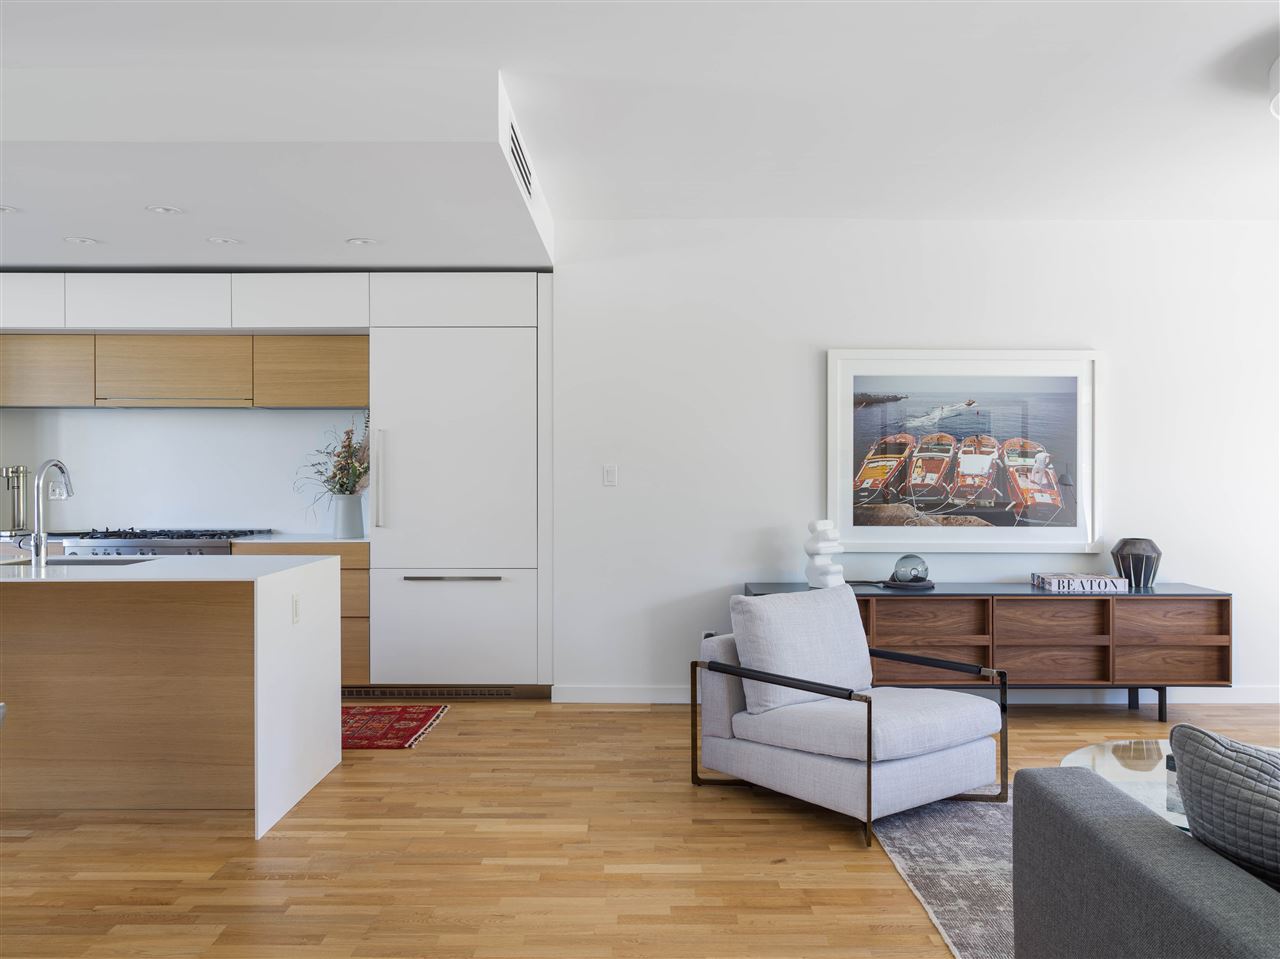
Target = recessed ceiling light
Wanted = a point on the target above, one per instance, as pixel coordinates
(80, 240)
(8, 209)
(166, 210)
(361, 241)
(222, 240)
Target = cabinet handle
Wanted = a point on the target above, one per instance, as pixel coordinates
(453, 579)
(377, 453)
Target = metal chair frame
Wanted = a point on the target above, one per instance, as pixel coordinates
(839, 692)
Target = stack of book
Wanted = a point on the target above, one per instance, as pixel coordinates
(1080, 582)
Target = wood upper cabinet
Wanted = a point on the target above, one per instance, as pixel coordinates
(46, 370)
(311, 371)
(31, 301)
(142, 370)
(453, 299)
(299, 300)
(148, 301)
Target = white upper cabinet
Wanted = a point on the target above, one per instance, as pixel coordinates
(299, 300)
(453, 299)
(149, 301)
(31, 301)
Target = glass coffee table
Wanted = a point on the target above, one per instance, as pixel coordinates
(1140, 767)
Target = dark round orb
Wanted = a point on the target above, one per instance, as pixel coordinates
(910, 569)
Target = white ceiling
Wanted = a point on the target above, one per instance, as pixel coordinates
(298, 124)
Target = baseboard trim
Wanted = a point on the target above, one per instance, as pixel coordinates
(620, 694)
(1098, 697)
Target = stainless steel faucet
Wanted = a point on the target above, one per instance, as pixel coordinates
(59, 489)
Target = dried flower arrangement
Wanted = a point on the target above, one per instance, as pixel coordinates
(342, 465)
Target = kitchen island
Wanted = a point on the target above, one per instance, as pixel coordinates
(184, 682)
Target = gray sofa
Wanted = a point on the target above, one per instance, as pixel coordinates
(1096, 874)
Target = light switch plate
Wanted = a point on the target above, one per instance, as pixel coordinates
(611, 475)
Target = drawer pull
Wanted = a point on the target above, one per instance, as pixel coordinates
(453, 579)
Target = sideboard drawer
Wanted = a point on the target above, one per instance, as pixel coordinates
(1054, 664)
(1042, 621)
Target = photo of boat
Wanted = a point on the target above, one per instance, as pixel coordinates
(976, 471)
(935, 415)
(884, 468)
(929, 476)
(1031, 482)
(963, 451)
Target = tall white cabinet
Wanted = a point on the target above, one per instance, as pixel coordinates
(458, 393)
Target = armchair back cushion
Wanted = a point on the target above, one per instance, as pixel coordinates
(815, 635)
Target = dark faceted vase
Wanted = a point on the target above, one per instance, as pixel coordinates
(1137, 561)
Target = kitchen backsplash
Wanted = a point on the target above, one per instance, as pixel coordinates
(179, 468)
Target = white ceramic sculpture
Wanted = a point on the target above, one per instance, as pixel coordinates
(820, 571)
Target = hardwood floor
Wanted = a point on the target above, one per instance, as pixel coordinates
(514, 829)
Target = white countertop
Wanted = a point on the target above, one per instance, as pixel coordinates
(171, 568)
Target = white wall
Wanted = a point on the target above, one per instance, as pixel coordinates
(691, 354)
(178, 468)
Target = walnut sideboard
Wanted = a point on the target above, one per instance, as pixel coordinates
(1169, 635)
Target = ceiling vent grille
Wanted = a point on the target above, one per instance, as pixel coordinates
(522, 164)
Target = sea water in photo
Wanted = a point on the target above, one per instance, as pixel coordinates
(1039, 409)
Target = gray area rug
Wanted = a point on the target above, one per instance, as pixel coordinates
(957, 857)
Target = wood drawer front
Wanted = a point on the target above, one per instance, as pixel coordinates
(170, 370)
(1169, 617)
(355, 652)
(311, 372)
(352, 555)
(46, 370)
(925, 616)
(355, 592)
(1173, 665)
(890, 673)
(1055, 664)
(1041, 620)
(454, 631)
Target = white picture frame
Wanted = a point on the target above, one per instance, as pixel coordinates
(1000, 370)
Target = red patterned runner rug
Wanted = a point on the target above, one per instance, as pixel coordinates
(387, 727)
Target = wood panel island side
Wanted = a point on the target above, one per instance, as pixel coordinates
(186, 682)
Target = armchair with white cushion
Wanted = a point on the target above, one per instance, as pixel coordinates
(787, 704)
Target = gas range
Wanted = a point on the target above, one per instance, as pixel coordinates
(154, 542)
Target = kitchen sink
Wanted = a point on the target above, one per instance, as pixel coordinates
(86, 561)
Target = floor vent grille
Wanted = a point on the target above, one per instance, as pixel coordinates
(428, 692)
(522, 165)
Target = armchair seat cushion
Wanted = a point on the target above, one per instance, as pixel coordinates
(905, 722)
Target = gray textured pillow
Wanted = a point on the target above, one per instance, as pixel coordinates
(815, 635)
(1231, 792)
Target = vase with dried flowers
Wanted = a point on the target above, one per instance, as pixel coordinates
(341, 470)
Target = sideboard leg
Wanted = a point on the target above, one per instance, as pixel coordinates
(1133, 697)
(1162, 707)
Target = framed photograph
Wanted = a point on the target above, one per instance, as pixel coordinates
(961, 450)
